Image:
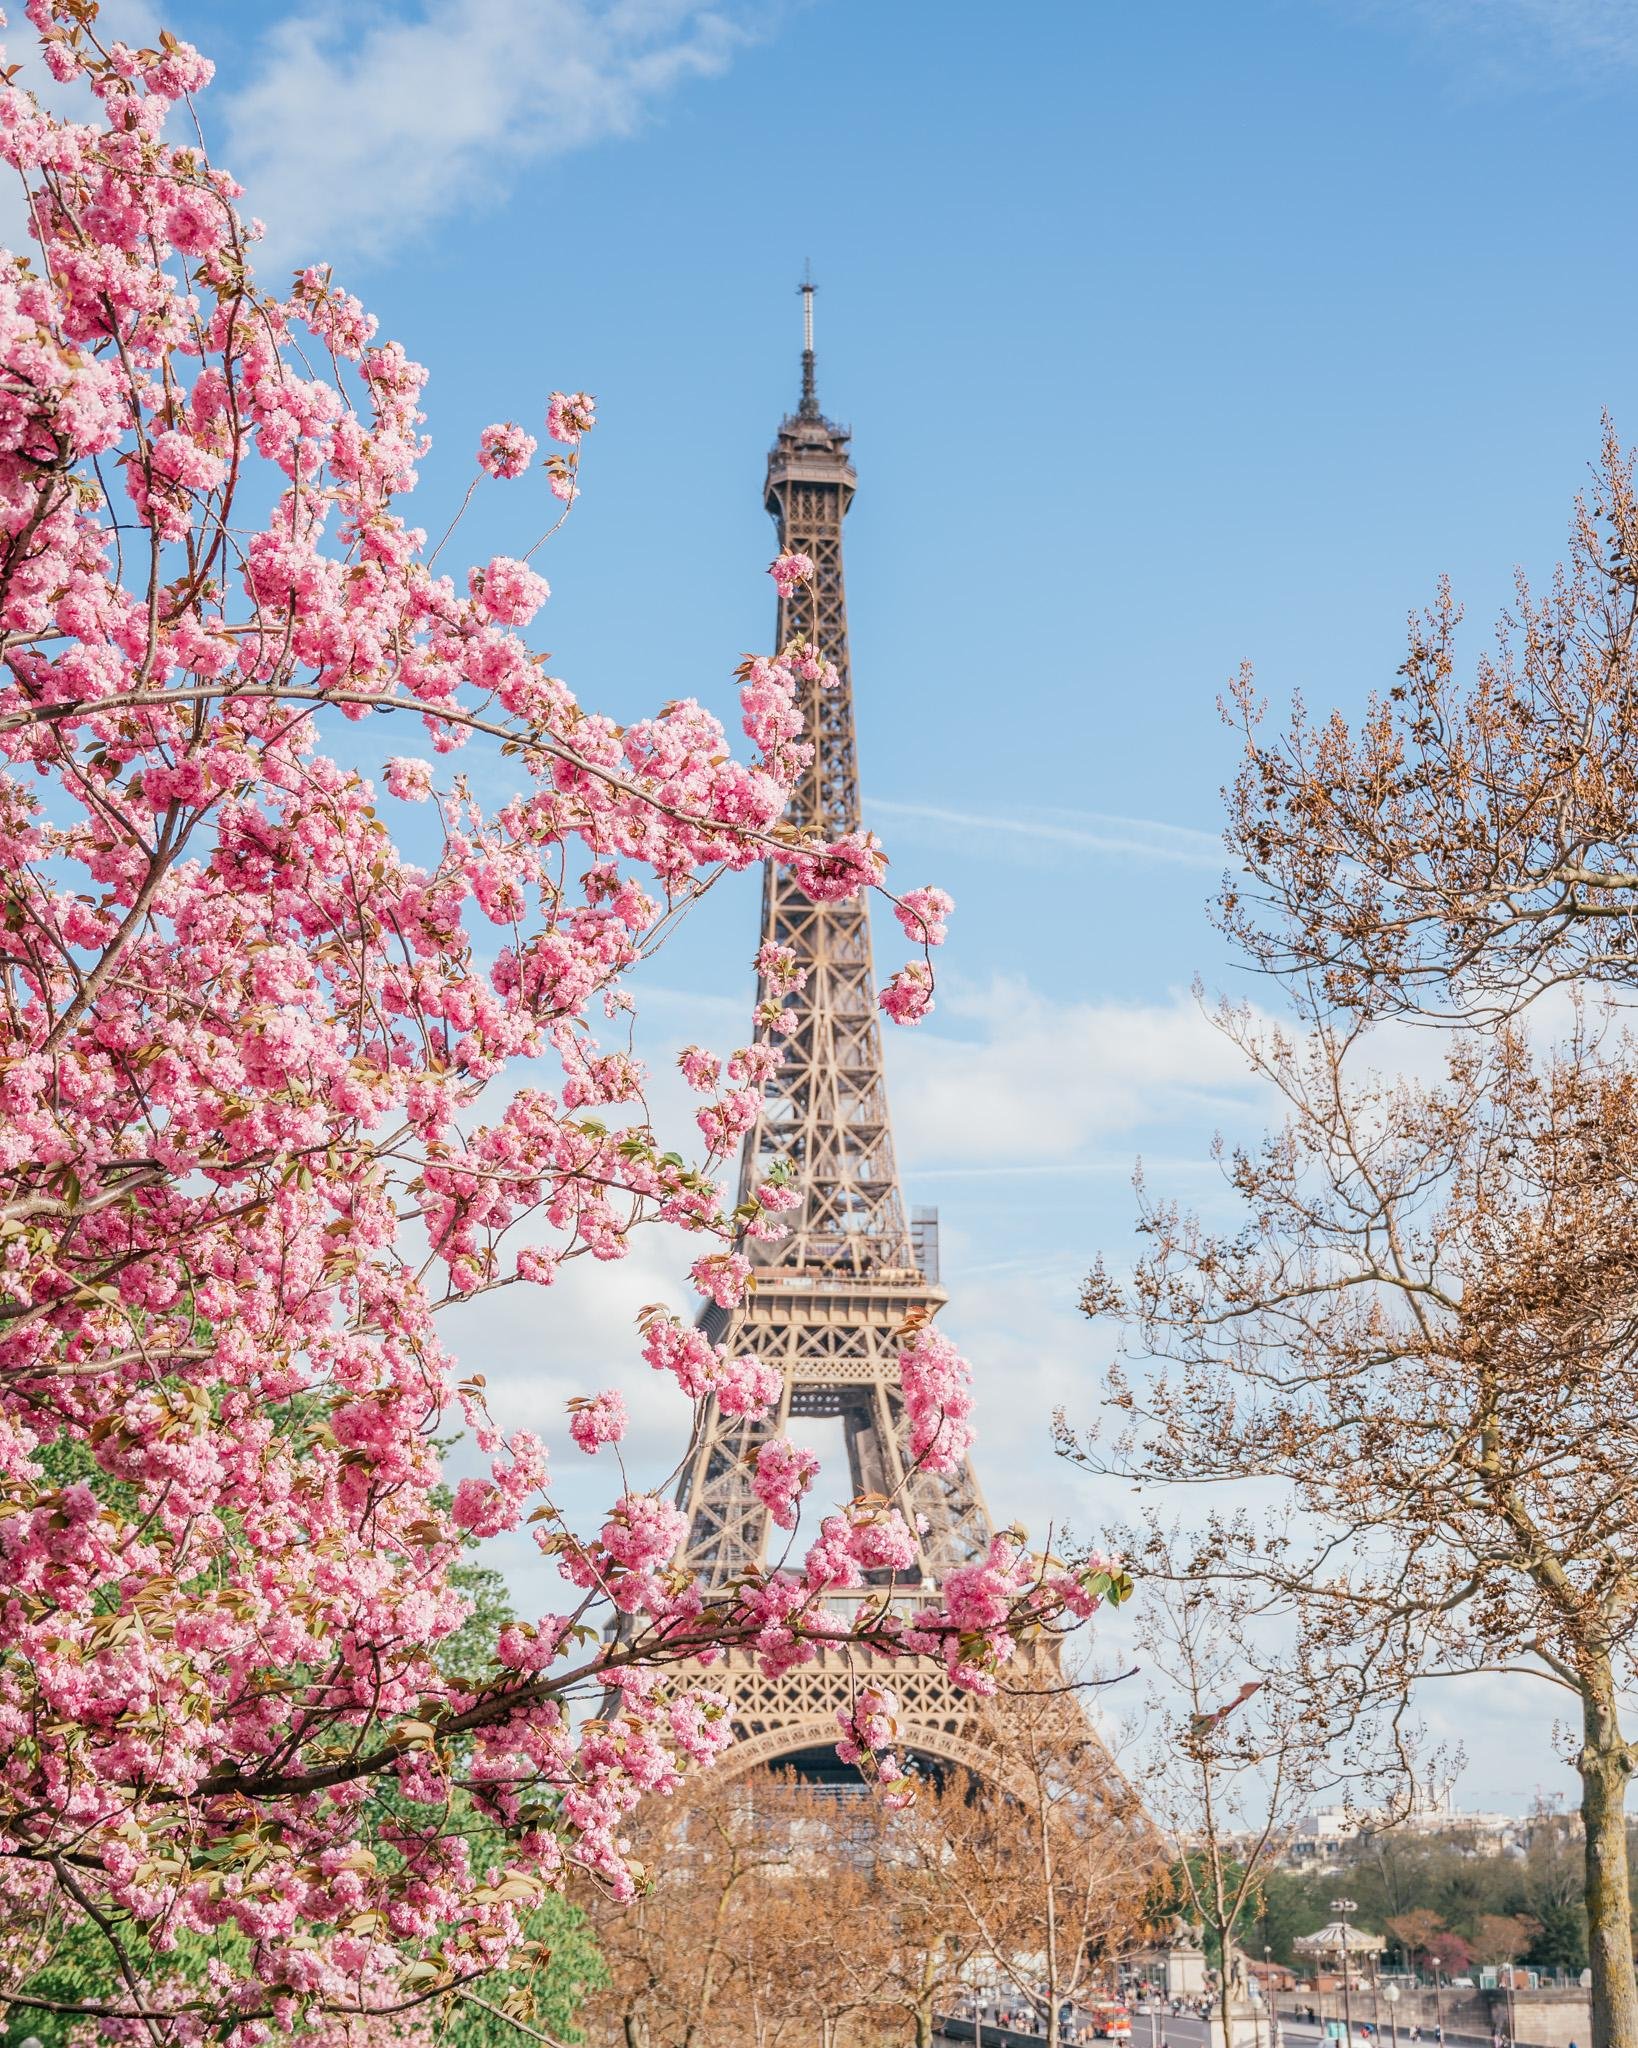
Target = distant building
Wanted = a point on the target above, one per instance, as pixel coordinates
(1432, 1812)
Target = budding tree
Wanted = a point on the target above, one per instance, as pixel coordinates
(288, 1067)
(1424, 1327)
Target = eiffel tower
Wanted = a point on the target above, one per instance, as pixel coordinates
(854, 1268)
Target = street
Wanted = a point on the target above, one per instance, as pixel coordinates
(1162, 2030)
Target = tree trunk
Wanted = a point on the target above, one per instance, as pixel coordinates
(1605, 1764)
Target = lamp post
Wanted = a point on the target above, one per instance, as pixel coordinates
(1268, 1989)
(1342, 1908)
(1391, 1994)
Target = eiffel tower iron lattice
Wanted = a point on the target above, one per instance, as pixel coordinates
(854, 1269)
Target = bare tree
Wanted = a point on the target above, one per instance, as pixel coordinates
(1475, 838)
(937, 1873)
(1051, 1886)
(1425, 1328)
(1242, 1734)
(811, 1951)
(676, 1955)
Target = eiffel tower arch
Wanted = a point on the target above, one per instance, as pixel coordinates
(855, 1267)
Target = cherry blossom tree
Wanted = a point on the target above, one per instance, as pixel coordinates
(288, 1066)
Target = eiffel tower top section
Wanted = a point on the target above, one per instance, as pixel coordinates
(826, 1108)
(808, 489)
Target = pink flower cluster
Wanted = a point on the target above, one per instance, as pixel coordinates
(409, 780)
(743, 1385)
(869, 1727)
(600, 1420)
(569, 415)
(923, 912)
(784, 1472)
(830, 874)
(643, 1531)
(505, 450)
(722, 1277)
(938, 1399)
(790, 570)
(777, 968)
(509, 591)
(907, 995)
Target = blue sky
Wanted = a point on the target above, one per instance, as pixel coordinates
(1172, 335)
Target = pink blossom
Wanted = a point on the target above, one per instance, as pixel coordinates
(907, 995)
(869, 1724)
(922, 912)
(643, 1531)
(788, 570)
(722, 1277)
(509, 591)
(600, 1420)
(699, 1069)
(937, 1384)
(569, 415)
(778, 969)
(505, 450)
(882, 1541)
(784, 1472)
(410, 780)
(830, 874)
(746, 1385)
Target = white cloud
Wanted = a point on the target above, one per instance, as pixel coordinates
(1523, 43)
(1040, 1083)
(350, 139)
(1055, 832)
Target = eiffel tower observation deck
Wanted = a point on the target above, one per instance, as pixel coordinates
(855, 1268)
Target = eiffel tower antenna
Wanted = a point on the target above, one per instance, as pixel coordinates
(809, 408)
